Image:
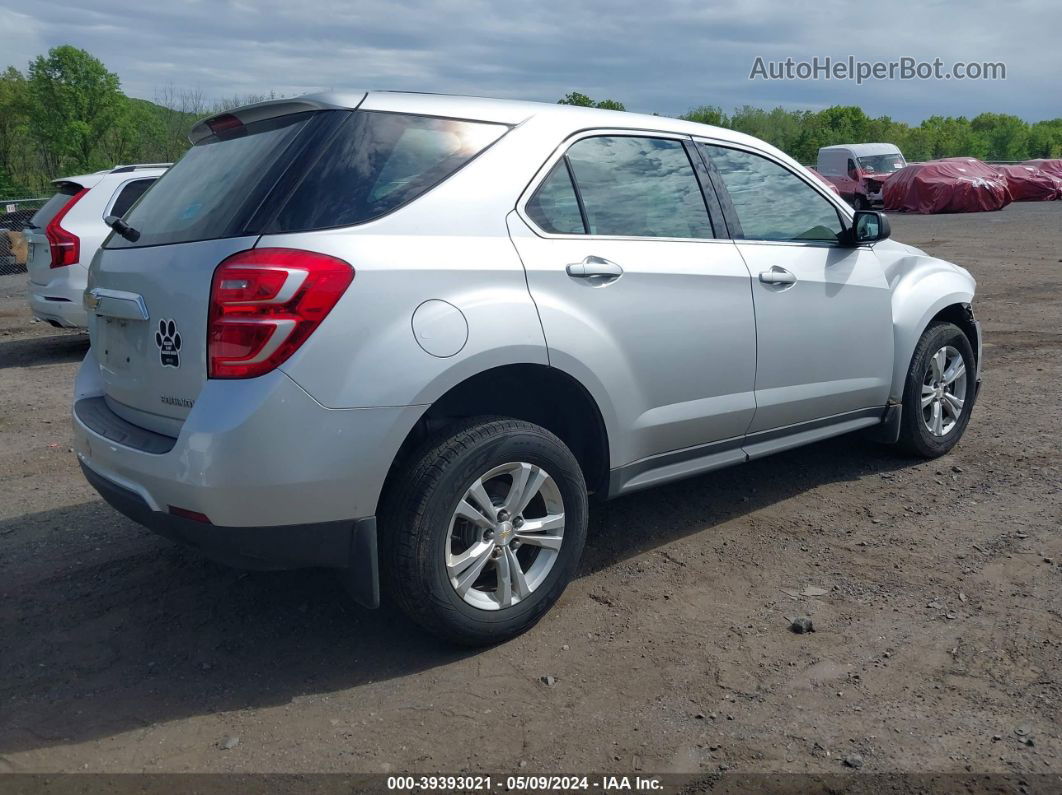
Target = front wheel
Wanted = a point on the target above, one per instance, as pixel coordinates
(484, 529)
(939, 391)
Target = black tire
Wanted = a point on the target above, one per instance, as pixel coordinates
(416, 522)
(859, 202)
(915, 437)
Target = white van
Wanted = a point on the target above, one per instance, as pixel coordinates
(859, 170)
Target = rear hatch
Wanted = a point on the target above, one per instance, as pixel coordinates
(249, 173)
(148, 298)
(39, 253)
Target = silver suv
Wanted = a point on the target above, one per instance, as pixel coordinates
(405, 336)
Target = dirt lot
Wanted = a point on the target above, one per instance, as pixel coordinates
(939, 631)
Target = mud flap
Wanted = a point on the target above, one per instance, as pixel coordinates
(888, 431)
(361, 578)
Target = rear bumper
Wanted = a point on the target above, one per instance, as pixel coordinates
(341, 545)
(56, 295)
(251, 453)
(277, 547)
(281, 479)
(62, 307)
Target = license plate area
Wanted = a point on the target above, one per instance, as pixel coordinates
(121, 344)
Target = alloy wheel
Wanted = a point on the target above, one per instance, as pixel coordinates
(943, 391)
(505, 536)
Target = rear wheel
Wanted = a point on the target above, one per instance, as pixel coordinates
(484, 529)
(939, 391)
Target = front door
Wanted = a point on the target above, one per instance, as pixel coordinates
(823, 310)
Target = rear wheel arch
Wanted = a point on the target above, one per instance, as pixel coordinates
(536, 393)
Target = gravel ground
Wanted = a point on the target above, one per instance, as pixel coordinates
(935, 589)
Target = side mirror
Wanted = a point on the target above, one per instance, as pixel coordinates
(868, 226)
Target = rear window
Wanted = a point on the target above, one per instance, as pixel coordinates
(212, 191)
(303, 172)
(376, 163)
(51, 208)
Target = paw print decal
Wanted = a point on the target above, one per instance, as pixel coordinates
(169, 343)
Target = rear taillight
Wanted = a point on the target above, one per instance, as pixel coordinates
(65, 245)
(264, 303)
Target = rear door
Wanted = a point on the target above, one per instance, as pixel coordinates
(823, 310)
(640, 295)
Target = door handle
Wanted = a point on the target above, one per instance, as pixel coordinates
(597, 268)
(777, 275)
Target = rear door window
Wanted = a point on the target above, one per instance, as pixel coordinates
(128, 194)
(378, 162)
(639, 187)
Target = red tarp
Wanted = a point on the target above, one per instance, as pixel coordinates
(1052, 167)
(824, 181)
(1028, 183)
(952, 185)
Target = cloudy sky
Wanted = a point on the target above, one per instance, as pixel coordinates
(660, 56)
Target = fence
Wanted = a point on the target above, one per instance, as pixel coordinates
(14, 216)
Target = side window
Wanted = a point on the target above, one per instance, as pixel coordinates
(129, 194)
(639, 187)
(554, 207)
(771, 202)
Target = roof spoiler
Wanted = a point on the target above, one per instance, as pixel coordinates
(271, 109)
(135, 166)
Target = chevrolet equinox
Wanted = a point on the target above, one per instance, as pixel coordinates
(405, 336)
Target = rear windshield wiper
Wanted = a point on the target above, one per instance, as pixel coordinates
(122, 228)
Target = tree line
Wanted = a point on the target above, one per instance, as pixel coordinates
(66, 114)
(800, 133)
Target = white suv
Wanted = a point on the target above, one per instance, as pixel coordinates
(65, 233)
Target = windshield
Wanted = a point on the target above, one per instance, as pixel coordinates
(882, 164)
